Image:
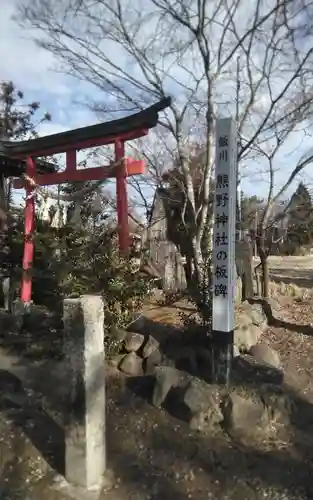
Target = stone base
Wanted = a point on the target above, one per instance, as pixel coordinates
(78, 492)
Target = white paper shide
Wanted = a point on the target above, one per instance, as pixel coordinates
(224, 233)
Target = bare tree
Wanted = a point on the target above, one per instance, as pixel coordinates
(136, 51)
(268, 218)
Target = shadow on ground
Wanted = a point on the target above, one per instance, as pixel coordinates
(299, 277)
(160, 331)
(153, 451)
(293, 327)
(219, 465)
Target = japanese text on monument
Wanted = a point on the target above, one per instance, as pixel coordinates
(224, 226)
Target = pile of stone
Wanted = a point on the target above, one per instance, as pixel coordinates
(255, 406)
(241, 410)
(142, 353)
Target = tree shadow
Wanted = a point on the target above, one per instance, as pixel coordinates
(144, 478)
(160, 331)
(279, 323)
(45, 434)
(27, 414)
(293, 327)
(302, 278)
(233, 469)
(41, 335)
(157, 437)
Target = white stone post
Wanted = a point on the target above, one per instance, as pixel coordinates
(85, 453)
(224, 244)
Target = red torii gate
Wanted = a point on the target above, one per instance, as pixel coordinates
(116, 132)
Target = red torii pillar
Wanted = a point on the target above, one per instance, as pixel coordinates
(124, 168)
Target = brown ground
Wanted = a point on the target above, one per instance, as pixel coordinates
(153, 453)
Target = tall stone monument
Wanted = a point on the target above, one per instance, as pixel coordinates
(85, 453)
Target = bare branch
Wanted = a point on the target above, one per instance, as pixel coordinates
(137, 51)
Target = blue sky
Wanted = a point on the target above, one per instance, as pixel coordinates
(33, 71)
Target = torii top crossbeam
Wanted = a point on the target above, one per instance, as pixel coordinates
(128, 128)
(115, 132)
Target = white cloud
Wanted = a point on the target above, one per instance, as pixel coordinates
(26, 65)
(32, 70)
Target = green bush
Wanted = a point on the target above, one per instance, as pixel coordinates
(91, 263)
(71, 262)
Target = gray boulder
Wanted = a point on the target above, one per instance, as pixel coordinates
(246, 336)
(242, 318)
(256, 313)
(256, 412)
(131, 365)
(244, 415)
(155, 359)
(133, 341)
(236, 351)
(263, 353)
(150, 347)
(203, 401)
(166, 378)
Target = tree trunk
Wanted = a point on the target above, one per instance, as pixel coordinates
(264, 264)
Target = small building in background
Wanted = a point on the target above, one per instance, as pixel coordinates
(162, 252)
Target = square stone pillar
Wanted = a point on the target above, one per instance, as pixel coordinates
(85, 453)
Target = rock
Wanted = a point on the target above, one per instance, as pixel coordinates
(242, 318)
(256, 312)
(244, 415)
(37, 317)
(9, 382)
(131, 364)
(236, 351)
(199, 395)
(166, 378)
(6, 322)
(18, 307)
(149, 348)
(246, 336)
(247, 370)
(203, 401)
(265, 354)
(278, 403)
(155, 359)
(115, 361)
(274, 304)
(198, 422)
(133, 341)
(166, 361)
(270, 306)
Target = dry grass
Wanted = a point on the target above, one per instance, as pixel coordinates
(289, 290)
